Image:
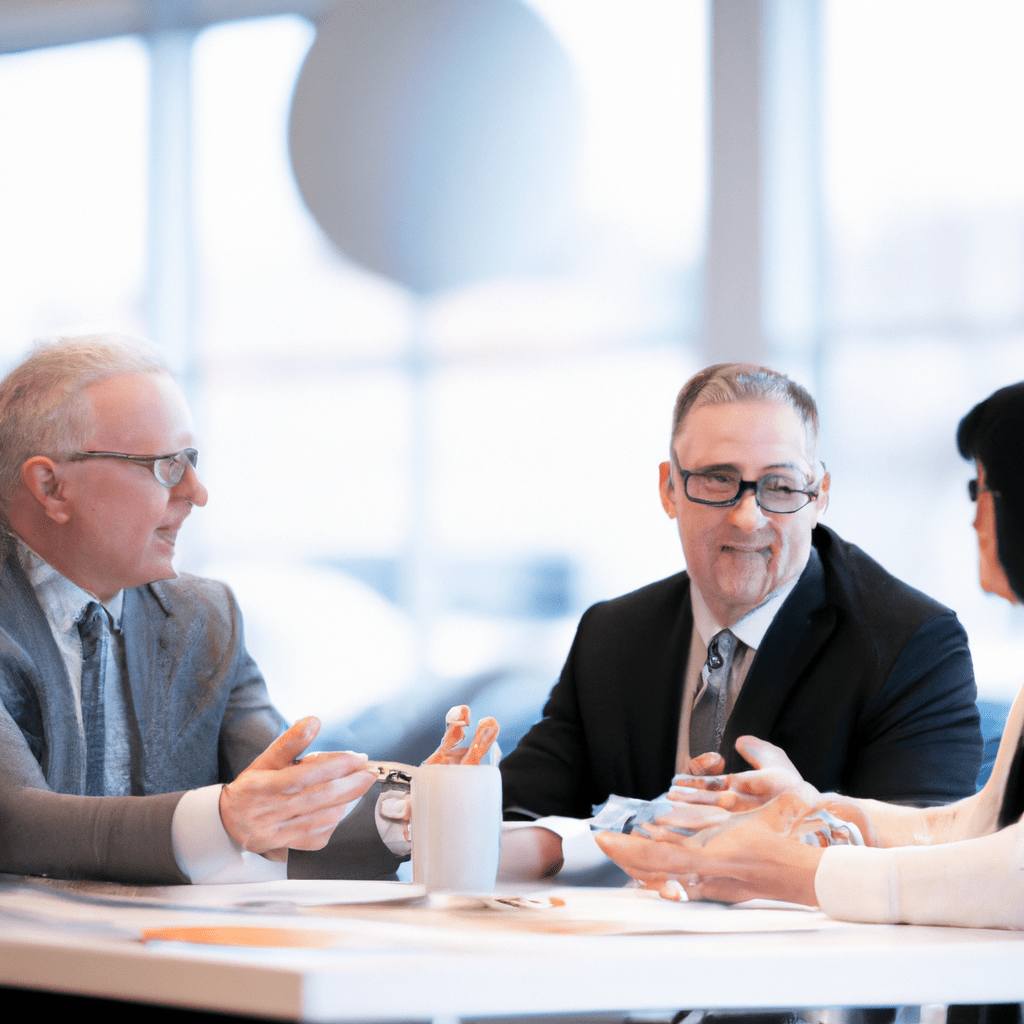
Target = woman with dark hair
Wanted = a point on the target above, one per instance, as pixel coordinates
(962, 864)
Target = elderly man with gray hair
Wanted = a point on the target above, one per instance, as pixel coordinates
(137, 739)
(778, 629)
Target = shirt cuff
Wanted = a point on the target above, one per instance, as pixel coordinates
(580, 851)
(858, 883)
(204, 850)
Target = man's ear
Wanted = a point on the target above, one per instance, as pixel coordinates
(666, 485)
(43, 481)
(822, 502)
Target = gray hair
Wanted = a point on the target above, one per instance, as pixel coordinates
(42, 411)
(738, 382)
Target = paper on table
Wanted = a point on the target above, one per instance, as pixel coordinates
(313, 893)
(641, 909)
(247, 895)
(598, 912)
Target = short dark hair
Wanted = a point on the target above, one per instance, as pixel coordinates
(737, 382)
(993, 434)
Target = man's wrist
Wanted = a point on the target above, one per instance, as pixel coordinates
(204, 850)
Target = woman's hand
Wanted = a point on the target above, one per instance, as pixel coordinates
(773, 775)
(752, 855)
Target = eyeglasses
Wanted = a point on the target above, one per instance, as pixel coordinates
(168, 469)
(974, 489)
(775, 492)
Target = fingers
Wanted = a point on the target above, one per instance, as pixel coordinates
(322, 766)
(259, 827)
(486, 734)
(395, 808)
(666, 863)
(624, 851)
(693, 816)
(672, 890)
(711, 763)
(307, 825)
(788, 807)
(762, 754)
(711, 783)
(720, 890)
(682, 792)
(458, 715)
(652, 862)
(456, 723)
(289, 745)
(288, 797)
(297, 805)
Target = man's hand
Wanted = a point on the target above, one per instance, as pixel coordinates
(280, 802)
(749, 856)
(773, 775)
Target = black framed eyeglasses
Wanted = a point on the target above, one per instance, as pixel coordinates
(780, 492)
(974, 489)
(168, 469)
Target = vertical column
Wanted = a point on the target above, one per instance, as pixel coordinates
(764, 273)
(733, 274)
(794, 242)
(171, 242)
(418, 580)
(171, 278)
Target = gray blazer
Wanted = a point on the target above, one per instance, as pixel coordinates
(202, 712)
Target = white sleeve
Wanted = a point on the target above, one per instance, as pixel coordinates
(975, 883)
(580, 851)
(204, 850)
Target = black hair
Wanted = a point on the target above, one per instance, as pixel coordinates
(993, 434)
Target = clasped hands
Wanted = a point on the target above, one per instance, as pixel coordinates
(746, 830)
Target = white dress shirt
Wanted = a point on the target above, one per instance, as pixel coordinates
(750, 631)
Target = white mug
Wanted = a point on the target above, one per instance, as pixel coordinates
(456, 827)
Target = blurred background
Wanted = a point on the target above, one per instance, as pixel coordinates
(432, 272)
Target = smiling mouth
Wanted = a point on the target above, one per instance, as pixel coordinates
(168, 534)
(764, 551)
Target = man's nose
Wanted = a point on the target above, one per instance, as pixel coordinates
(746, 513)
(191, 487)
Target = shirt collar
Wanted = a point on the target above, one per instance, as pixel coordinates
(752, 627)
(61, 600)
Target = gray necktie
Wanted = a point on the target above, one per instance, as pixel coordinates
(707, 719)
(94, 631)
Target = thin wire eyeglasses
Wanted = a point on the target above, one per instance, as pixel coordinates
(168, 469)
(774, 492)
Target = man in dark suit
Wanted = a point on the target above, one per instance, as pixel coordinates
(778, 628)
(137, 739)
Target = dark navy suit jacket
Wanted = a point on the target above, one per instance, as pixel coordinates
(866, 683)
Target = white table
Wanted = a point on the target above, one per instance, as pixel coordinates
(394, 970)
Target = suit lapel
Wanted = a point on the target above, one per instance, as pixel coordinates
(656, 698)
(799, 630)
(25, 624)
(147, 653)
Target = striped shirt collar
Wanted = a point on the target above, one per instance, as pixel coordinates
(61, 600)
